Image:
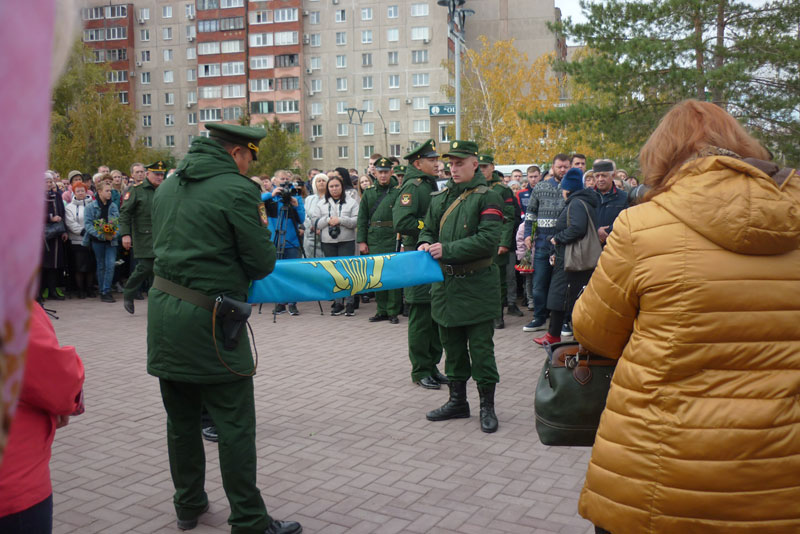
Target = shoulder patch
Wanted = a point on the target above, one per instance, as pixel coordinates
(405, 199)
(262, 213)
(127, 195)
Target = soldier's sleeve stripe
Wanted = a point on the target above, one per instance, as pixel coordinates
(491, 214)
(509, 200)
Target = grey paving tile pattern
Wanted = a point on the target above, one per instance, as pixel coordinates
(343, 442)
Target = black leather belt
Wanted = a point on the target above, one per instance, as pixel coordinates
(460, 269)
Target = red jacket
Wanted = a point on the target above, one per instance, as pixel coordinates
(52, 384)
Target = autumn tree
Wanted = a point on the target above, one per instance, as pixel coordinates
(280, 149)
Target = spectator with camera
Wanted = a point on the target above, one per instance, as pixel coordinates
(336, 218)
(286, 211)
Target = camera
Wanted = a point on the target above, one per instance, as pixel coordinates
(334, 231)
(288, 191)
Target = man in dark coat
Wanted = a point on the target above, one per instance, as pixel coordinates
(612, 200)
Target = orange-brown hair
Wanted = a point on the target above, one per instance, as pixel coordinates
(685, 130)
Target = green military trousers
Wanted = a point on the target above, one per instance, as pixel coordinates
(389, 302)
(469, 353)
(142, 273)
(424, 347)
(232, 407)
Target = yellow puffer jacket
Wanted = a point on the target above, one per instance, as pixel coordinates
(698, 295)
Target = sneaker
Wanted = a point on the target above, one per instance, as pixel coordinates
(566, 330)
(279, 309)
(547, 338)
(293, 310)
(337, 309)
(348, 311)
(535, 325)
(530, 305)
(210, 434)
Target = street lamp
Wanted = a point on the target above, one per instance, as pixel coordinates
(351, 114)
(455, 11)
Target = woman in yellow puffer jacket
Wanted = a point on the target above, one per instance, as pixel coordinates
(698, 295)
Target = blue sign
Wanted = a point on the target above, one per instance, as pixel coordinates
(442, 110)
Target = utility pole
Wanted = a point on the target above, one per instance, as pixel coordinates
(353, 113)
(455, 11)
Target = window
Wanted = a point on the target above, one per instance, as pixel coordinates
(233, 91)
(93, 35)
(231, 23)
(341, 61)
(169, 77)
(419, 56)
(261, 17)
(211, 92)
(394, 127)
(169, 99)
(286, 14)
(260, 39)
(116, 12)
(313, 17)
(261, 62)
(340, 15)
(366, 82)
(209, 70)
(393, 35)
(191, 75)
(92, 13)
(145, 56)
(394, 104)
(419, 10)
(231, 113)
(369, 128)
(341, 38)
(147, 141)
(342, 129)
(117, 76)
(341, 84)
(191, 32)
(204, 49)
(233, 68)
(115, 33)
(98, 56)
(144, 35)
(191, 118)
(224, 4)
(169, 140)
(144, 13)
(316, 130)
(286, 38)
(122, 96)
(393, 58)
(366, 13)
(394, 150)
(422, 125)
(366, 36)
(145, 77)
(166, 33)
(287, 60)
(192, 137)
(168, 54)
(368, 151)
(341, 107)
(394, 81)
(190, 13)
(191, 97)
(444, 134)
(419, 33)
(316, 108)
(232, 47)
(147, 121)
(211, 25)
(315, 39)
(366, 59)
(392, 12)
(421, 102)
(117, 54)
(342, 152)
(316, 152)
(261, 85)
(147, 99)
(368, 106)
(169, 119)
(207, 4)
(210, 115)
(288, 84)
(166, 12)
(316, 63)
(287, 106)
(316, 86)
(191, 53)
(420, 79)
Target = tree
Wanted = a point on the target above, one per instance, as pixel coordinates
(280, 149)
(647, 55)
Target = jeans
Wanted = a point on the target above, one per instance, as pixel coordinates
(38, 519)
(511, 282)
(291, 253)
(344, 248)
(542, 271)
(106, 255)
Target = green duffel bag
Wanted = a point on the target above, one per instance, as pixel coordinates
(571, 395)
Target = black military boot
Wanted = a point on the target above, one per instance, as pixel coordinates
(456, 407)
(488, 417)
(499, 324)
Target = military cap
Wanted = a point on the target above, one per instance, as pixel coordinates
(399, 169)
(446, 166)
(239, 135)
(486, 159)
(425, 150)
(462, 149)
(158, 166)
(383, 164)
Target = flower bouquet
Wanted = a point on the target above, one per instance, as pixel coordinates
(525, 265)
(106, 229)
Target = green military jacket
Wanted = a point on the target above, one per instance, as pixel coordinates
(408, 216)
(507, 238)
(379, 238)
(135, 218)
(209, 234)
(470, 233)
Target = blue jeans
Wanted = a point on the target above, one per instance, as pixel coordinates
(291, 254)
(106, 256)
(542, 271)
(38, 519)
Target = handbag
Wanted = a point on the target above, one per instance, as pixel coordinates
(53, 230)
(582, 255)
(571, 395)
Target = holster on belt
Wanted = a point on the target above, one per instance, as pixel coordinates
(461, 269)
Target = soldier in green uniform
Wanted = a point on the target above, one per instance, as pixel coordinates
(375, 233)
(461, 230)
(210, 238)
(507, 238)
(135, 221)
(399, 172)
(424, 347)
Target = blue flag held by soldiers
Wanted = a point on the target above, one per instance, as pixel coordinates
(309, 279)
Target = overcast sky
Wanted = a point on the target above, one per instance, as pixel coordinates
(572, 8)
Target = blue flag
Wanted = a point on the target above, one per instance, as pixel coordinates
(310, 279)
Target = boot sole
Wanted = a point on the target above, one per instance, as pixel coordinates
(459, 416)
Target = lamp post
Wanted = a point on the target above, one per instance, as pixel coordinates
(351, 114)
(455, 11)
